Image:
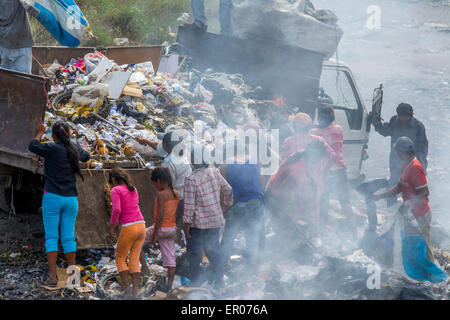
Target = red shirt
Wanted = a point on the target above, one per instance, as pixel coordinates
(334, 136)
(413, 179)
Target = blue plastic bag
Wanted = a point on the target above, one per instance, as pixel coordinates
(63, 19)
(415, 262)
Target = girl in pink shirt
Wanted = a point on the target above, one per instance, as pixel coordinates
(127, 215)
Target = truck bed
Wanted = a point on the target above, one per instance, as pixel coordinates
(292, 72)
(23, 102)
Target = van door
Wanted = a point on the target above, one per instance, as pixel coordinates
(338, 88)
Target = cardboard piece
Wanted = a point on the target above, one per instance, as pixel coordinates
(62, 275)
(101, 70)
(133, 91)
(117, 82)
(169, 64)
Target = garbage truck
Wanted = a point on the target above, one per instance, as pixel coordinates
(302, 76)
(23, 102)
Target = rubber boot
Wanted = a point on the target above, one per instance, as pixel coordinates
(135, 278)
(125, 282)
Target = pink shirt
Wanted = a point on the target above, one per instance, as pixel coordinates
(334, 136)
(299, 142)
(125, 206)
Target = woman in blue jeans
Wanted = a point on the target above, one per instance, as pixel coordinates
(60, 202)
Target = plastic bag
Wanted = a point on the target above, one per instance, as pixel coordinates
(91, 60)
(87, 95)
(63, 19)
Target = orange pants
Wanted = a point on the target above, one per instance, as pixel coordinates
(131, 240)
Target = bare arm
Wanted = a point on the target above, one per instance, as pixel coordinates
(161, 199)
(388, 193)
(147, 142)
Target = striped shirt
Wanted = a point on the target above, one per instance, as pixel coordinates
(202, 193)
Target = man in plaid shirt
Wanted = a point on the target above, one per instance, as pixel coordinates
(203, 217)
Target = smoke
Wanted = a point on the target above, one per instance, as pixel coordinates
(409, 55)
(387, 42)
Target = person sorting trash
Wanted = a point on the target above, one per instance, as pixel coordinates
(164, 228)
(243, 174)
(60, 202)
(418, 258)
(127, 215)
(203, 216)
(302, 124)
(177, 161)
(404, 124)
(295, 189)
(337, 177)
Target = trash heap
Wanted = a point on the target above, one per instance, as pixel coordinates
(108, 105)
(100, 278)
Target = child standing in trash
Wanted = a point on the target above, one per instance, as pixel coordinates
(164, 228)
(126, 214)
(174, 159)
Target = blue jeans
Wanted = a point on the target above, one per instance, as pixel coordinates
(249, 217)
(208, 240)
(198, 9)
(58, 211)
(16, 59)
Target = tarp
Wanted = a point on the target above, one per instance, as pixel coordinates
(62, 18)
(293, 23)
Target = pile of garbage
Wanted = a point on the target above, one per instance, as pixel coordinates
(290, 22)
(99, 275)
(108, 105)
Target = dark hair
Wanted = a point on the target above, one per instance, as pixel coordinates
(325, 115)
(198, 148)
(61, 130)
(163, 175)
(122, 177)
(167, 141)
(404, 109)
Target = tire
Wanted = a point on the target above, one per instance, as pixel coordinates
(101, 292)
(62, 97)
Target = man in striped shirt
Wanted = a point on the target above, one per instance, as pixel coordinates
(203, 216)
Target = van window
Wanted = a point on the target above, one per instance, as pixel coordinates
(335, 85)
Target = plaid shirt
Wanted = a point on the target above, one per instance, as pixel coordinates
(202, 193)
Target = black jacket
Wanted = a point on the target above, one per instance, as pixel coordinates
(59, 176)
(413, 129)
